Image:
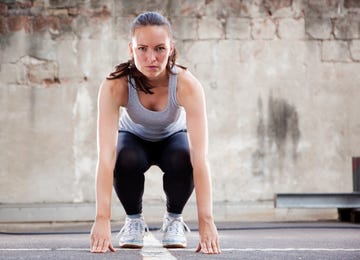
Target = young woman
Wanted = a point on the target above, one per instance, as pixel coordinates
(163, 122)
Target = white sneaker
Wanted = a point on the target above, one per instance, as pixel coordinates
(132, 233)
(174, 235)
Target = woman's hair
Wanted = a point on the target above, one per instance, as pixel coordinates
(128, 68)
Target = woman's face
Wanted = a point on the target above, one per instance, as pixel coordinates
(150, 47)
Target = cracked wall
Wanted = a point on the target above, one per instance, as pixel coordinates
(281, 80)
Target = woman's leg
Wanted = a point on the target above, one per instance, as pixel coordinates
(131, 164)
(178, 181)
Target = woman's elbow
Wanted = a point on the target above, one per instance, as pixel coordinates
(107, 160)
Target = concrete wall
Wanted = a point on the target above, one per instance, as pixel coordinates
(281, 78)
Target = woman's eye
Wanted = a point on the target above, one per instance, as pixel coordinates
(160, 48)
(142, 49)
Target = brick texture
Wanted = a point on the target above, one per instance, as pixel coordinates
(266, 66)
(291, 28)
(2, 25)
(238, 28)
(264, 29)
(352, 4)
(347, 28)
(41, 23)
(318, 28)
(17, 23)
(3, 9)
(355, 50)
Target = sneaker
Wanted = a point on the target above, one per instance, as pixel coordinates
(174, 235)
(132, 233)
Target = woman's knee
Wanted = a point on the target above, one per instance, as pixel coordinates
(176, 160)
(130, 160)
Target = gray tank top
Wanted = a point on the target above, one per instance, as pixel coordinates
(153, 125)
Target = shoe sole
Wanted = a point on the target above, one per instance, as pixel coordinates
(174, 245)
(134, 246)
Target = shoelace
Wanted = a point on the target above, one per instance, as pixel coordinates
(175, 226)
(133, 226)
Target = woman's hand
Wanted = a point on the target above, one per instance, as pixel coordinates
(209, 239)
(100, 237)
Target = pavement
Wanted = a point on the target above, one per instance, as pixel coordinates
(327, 239)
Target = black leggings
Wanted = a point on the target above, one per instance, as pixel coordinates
(134, 158)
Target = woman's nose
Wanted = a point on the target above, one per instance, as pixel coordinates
(152, 55)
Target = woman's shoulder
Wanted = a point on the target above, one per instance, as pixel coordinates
(117, 89)
(186, 80)
(189, 86)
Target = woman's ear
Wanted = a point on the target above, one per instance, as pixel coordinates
(131, 50)
(172, 46)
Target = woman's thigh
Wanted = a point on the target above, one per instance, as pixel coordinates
(132, 155)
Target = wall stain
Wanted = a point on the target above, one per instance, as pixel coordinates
(283, 123)
(273, 134)
(258, 157)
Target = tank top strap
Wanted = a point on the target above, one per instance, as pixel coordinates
(173, 86)
(131, 89)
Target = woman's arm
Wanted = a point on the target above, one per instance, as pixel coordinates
(109, 101)
(191, 97)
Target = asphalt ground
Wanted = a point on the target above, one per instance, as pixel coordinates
(239, 240)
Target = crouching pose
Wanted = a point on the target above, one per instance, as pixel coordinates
(162, 122)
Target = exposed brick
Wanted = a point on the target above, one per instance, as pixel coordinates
(38, 71)
(291, 28)
(186, 8)
(41, 23)
(37, 10)
(352, 4)
(19, 12)
(65, 23)
(323, 8)
(84, 11)
(335, 51)
(2, 25)
(54, 26)
(221, 8)
(73, 11)
(62, 3)
(347, 28)
(17, 23)
(268, 8)
(103, 12)
(51, 81)
(81, 24)
(3, 9)
(263, 29)
(252, 9)
(234, 7)
(272, 6)
(24, 4)
(39, 2)
(355, 50)
(298, 7)
(125, 8)
(58, 12)
(318, 28)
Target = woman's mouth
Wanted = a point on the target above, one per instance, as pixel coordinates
(152, 67)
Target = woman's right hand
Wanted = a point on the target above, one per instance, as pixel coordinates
(100, 237)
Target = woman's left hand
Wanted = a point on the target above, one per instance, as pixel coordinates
(209, 239)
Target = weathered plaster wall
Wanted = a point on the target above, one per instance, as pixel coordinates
(281, 79)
